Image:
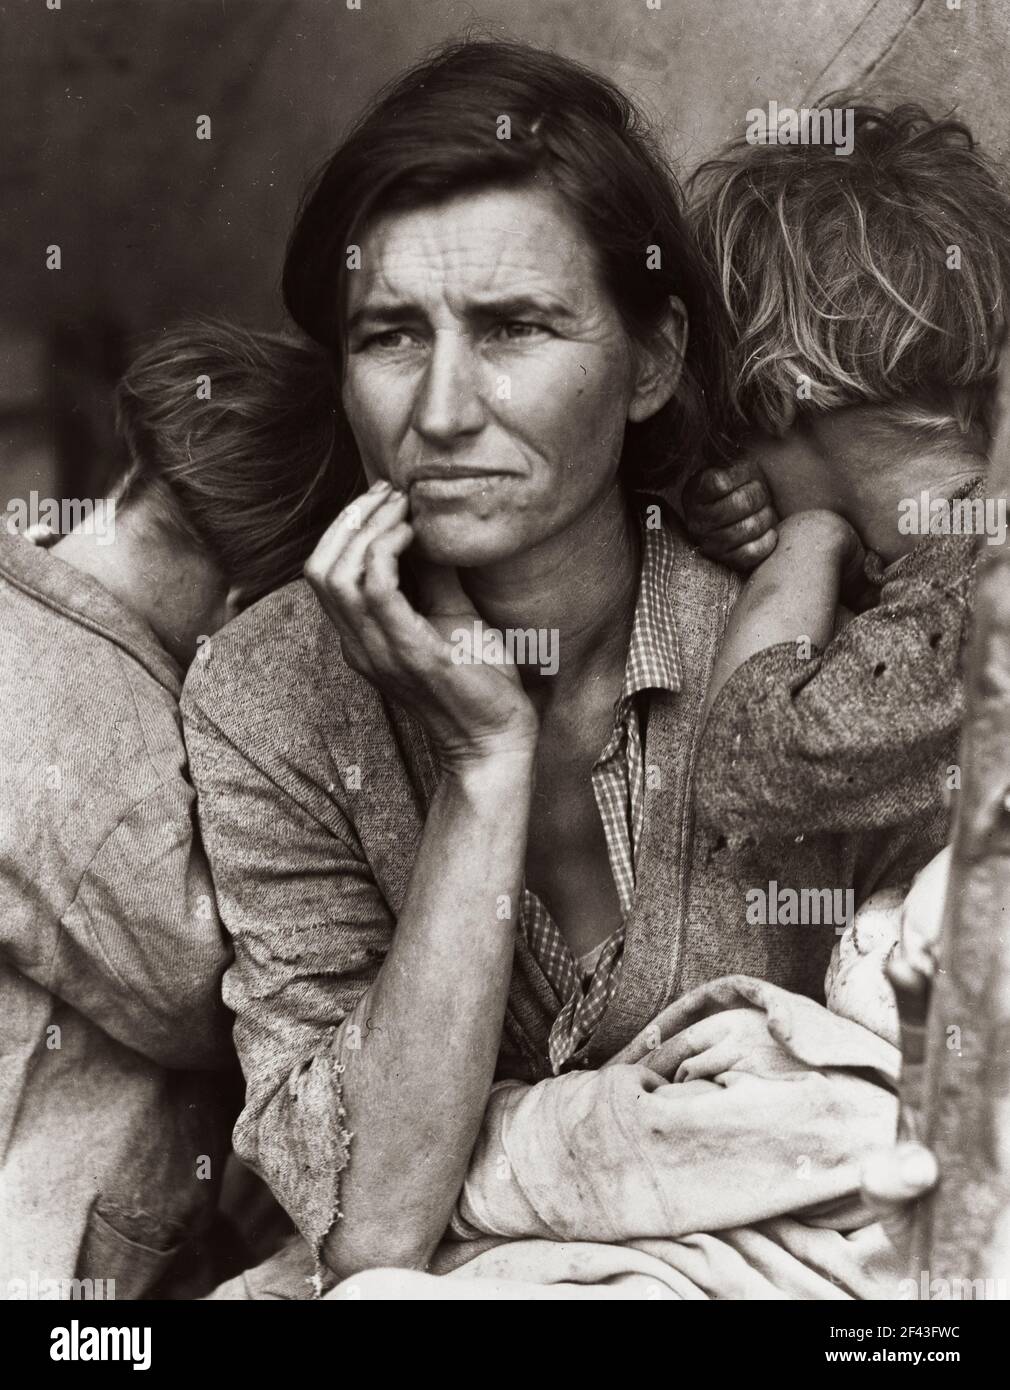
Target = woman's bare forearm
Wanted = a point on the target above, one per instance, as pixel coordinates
(430, 1026)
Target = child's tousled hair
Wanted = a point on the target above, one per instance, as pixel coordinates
(878, 277)
(235, 437)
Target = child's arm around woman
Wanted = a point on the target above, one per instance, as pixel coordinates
(810, 731)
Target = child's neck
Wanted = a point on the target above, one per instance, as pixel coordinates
(177, 590)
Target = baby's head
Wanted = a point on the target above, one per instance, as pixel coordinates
(867, 291)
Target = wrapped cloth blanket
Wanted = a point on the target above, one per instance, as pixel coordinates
(716, 1156)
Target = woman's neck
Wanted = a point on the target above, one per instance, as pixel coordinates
(579, 587)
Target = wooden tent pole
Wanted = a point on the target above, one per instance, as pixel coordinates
(962, 1231)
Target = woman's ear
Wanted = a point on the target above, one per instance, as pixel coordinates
(660, 364)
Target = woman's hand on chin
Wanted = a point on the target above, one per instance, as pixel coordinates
(434, 663)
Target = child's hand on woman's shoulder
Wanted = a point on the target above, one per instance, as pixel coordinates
(728, 511)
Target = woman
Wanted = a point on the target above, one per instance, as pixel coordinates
(440, 868)
(114, 1101)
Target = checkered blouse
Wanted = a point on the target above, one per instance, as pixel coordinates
(619, 785)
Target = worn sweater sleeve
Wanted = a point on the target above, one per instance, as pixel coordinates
(309, 928)
(854, 737)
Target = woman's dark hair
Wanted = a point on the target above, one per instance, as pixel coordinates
(234, 435)
(437, 132)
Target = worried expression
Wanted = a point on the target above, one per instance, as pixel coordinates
(489, 375)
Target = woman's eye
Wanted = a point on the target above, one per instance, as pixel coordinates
(390, 338)
(515, 330)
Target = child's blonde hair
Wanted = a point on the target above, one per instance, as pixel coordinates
(877, 277)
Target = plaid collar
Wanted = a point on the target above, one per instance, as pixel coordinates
(654, 651)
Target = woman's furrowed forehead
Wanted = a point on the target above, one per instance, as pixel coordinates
(476, 250)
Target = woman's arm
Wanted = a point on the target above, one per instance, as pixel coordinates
(415, 1092)
(430, 1026)
(368, 1046)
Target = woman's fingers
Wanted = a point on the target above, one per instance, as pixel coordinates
(380, 572)
(346, 525)
(355, 570)
(336, 566)
(357, 574)
(347, 571)
(334, 563)
(336, 570)
(407, 638)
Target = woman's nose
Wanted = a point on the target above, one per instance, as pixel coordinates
(449, 401)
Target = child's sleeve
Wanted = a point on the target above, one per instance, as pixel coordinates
(854, 737)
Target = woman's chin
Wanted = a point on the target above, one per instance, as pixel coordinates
(462, 540)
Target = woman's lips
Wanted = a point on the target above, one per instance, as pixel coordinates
(455, 485)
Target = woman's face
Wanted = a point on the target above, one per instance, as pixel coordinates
(488, 373)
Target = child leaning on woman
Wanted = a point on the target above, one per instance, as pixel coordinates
(868, 295)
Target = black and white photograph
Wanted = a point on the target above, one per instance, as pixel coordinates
(504, 669)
